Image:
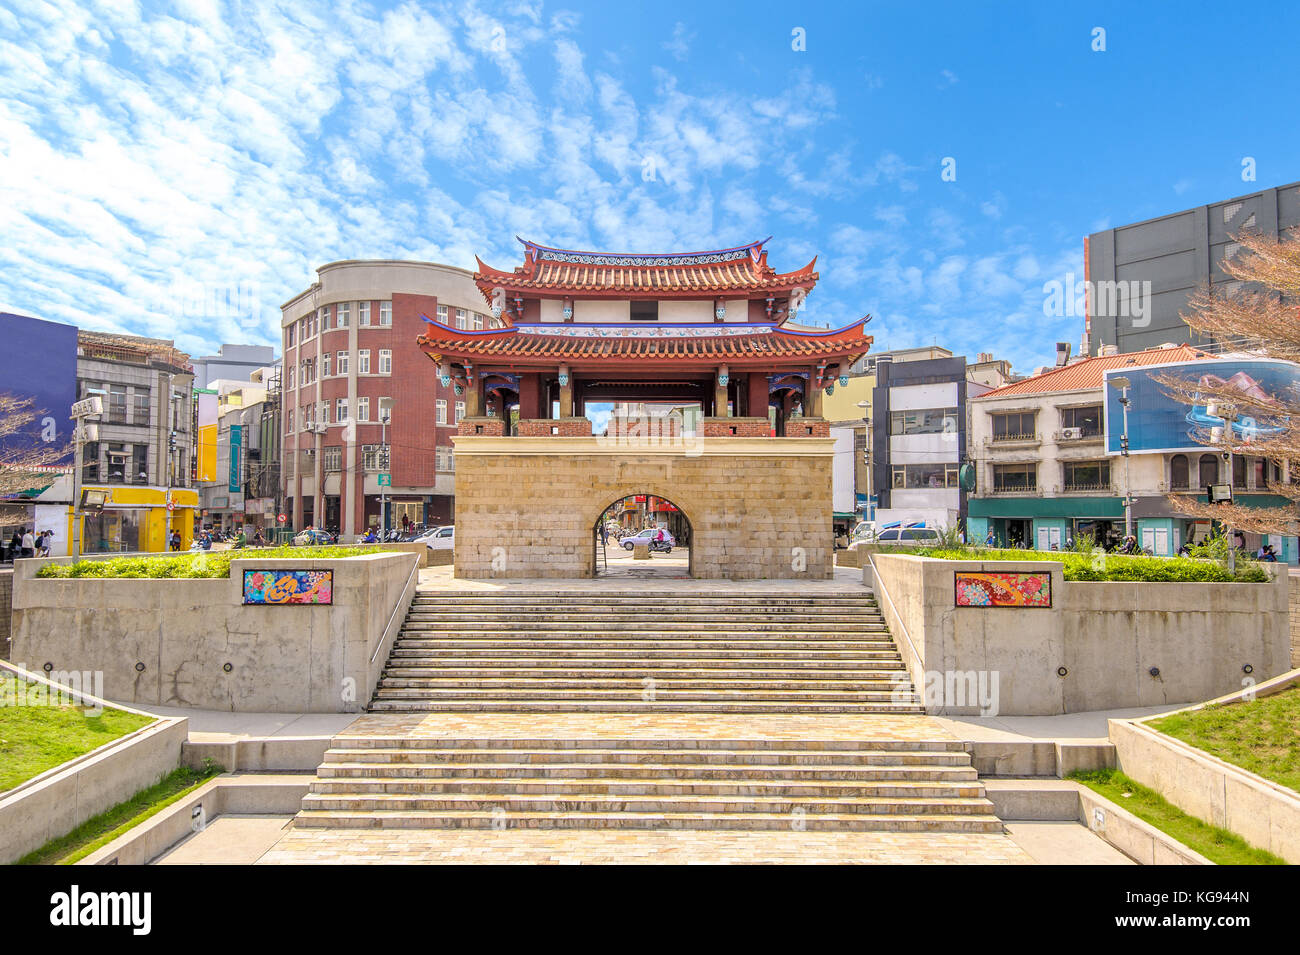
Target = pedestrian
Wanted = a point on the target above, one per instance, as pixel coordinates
(43, 544)
(604, 534)
(16, 545)
(28, 547)
(989, 539)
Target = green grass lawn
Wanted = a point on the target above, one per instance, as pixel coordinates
(36, 738)
(1218, 845)
(102, 829)
(1262, 736)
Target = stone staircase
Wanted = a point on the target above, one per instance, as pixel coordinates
(791, 664)
(627, 783)
(671, 652)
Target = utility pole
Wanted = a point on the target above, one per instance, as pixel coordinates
(91, 407)
(1124, 384)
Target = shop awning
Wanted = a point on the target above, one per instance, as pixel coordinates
(1106, 508)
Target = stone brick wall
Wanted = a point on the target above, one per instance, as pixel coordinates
(6, 609)
(659, 426)
(489, 426)
(1294, 581)
(758, 508)
(554, 427)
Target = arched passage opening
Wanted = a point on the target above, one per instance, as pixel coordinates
(643, 535)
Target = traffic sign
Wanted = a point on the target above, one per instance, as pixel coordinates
(171, 505)
(385, 480)
(281, 518)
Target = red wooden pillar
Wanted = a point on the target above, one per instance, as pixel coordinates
(756, 403)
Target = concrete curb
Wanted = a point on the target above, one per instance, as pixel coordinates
(225, 795)
(1063, 800)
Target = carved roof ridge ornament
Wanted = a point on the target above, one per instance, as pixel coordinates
(752, 251)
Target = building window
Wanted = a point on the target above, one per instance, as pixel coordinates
(926, 421)
(1087, 420)
(363, 313)
(1209, 469)
(1179, 473)
(1239, 465)
(116, 404)
(462, 321)
(1086, 475)
(363, 361)
(291, 378)
(140, 407)
(1015, 477)
(308, 417)
(290, 335)
(914, 476)
(90, 462)
(324, 412)
(478, 322)
(460, 411)
(645, 311)
(288, 422)
(340, 410)
(1016, 426)
(333, 458)
(363, 408)
(442, 314)
(442, 411)
(443, 459)
(374, 457)
(385, 361)
(342, 364)
(325, 365)
(385, 313)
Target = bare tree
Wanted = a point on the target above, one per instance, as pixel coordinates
(1260, 317)
(25, 460)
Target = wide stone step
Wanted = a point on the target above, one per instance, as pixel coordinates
(642, 617)
(397, 676)
(623, 599)
(726, 651)
(617, 802)
(469, 663)
(665, 691)
(666, 626)
(367, 764)
(605, 787)
(558, 638)
(637, 687)
(752, 821)
(635, 706)
(637, 746)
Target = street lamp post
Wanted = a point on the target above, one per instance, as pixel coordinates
(90, 407)
(385, 412)
(1228, 415)
(865, 408)
(1124, 384)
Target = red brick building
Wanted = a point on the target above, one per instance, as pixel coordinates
(348, 356)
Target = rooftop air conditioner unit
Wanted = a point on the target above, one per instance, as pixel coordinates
(1071, 434)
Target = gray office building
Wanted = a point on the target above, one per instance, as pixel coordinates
(233, 362)
(1174, 254)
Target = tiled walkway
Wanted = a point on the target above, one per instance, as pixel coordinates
(678, 847)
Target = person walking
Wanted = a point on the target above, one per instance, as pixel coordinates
(43, 543)
(28, 543)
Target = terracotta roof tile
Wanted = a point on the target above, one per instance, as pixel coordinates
(1088, 373)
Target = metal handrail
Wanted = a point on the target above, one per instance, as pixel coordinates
(383, 637)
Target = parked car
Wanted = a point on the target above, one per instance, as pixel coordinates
(650, 537)
(909, 537)
(311, 537)
(441, 538)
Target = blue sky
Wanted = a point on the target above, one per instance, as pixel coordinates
(180, 170)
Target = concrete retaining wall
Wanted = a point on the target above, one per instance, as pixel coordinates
(1106, 635)
(1294, 605)
(193, 643)
(6, 609)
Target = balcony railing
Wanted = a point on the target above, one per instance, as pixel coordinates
(1000, 438)
(1024, 490)
(1085, 487)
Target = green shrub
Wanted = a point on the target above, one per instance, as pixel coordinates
(203, 564)
(1081, 565)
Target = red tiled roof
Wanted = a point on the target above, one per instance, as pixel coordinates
(1089, 373)
(747, 344)
(740, 270)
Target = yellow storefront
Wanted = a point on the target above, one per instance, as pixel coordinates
(136, 519)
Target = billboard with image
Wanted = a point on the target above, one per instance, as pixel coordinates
(1158, 422)
(41, 365)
